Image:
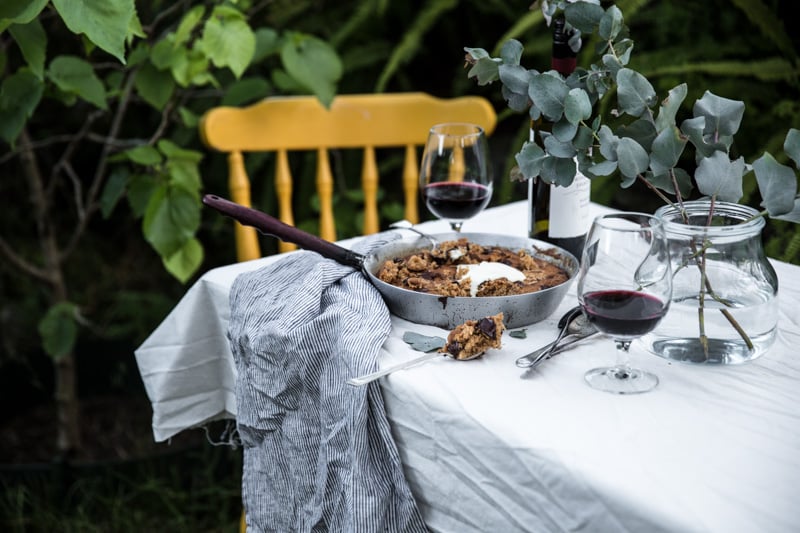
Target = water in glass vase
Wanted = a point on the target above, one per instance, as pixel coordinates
(677, 336)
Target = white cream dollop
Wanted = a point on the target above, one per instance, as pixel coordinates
(486, 271)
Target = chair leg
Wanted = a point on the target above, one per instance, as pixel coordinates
(242, 524)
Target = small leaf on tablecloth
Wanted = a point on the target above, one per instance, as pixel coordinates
(423, 343)
(519, 334)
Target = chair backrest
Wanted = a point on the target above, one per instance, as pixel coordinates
(368, 121)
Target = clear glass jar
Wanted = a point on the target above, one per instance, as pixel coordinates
(724, 307)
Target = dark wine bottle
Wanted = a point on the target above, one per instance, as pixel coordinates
(559, 215)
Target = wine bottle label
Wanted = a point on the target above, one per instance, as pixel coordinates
(569, 209)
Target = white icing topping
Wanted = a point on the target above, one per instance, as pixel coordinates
(455, 254)
(487, 271)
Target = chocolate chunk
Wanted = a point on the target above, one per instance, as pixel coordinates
(453, 348)
(487, 327)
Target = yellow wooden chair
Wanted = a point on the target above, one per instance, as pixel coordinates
(367, 122)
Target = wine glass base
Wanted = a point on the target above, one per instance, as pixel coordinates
(621, 380)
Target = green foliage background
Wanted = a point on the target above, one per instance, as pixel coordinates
(118, 283)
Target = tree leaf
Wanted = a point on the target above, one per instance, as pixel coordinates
(154, 86)
(104, 22)
(227, 40)
(171, 219)
(718, 176)
(59, 330)
(21, 11)
(777, 184)
(20, 94)
(32, 42)
(314, 64)
(74, 75)
(113, 190)
(185, 262)
(144, 154)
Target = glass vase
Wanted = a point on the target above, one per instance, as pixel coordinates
(724, 308)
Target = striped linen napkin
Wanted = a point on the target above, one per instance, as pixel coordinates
(318, 453)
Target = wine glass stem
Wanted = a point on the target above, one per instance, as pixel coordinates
(456, 226)
(623, 367)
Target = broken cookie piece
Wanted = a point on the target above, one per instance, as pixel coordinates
(472, 338)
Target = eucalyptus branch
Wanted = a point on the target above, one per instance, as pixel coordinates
(655, 190)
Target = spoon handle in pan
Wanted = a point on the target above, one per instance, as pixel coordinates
(363, 380)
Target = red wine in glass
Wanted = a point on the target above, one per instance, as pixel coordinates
(624, 288)
(456, 200)
(622, 313)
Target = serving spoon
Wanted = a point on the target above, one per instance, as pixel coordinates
(405, 224)
(363, 380)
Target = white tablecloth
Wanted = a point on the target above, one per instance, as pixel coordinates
(487, 448)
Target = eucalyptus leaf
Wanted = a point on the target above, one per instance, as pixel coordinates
(610, 24)
(777, 184)
(666, 150)
(634, 93)
(511, 52)
(723, 115)
(559, 171)
(530, 159)
(670, 106)
(577, 106)
(423, 343)
(632, 159)
(604, 168)
(558, 148)
(792, 145)
(608, 143)
(584, 16)
(548, 93)
(720, 177)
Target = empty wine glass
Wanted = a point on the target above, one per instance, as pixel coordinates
(624, 289)
(455, 176)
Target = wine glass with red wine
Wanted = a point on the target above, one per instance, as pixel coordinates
(455, 176)
(624, 289)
